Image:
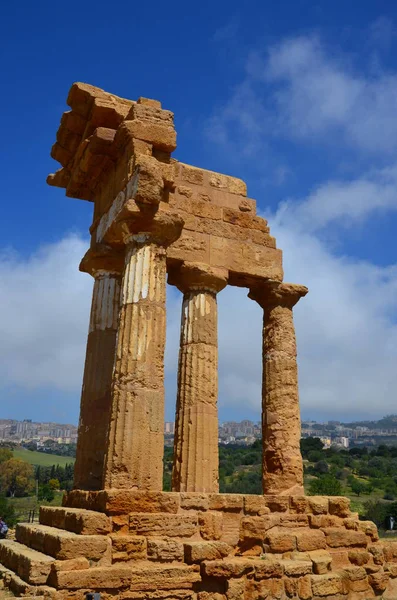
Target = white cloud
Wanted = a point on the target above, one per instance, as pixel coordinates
(300, 89)
(44, 307)
(346, 326)
(347, 336)
(343, 203)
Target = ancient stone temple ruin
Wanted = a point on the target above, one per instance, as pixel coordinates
(118, 534)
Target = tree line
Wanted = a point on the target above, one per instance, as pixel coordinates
(19, 478)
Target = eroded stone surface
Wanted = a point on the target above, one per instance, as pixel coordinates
(195, 466)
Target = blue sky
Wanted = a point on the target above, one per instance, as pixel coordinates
(297, 98)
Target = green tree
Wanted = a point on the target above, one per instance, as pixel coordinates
(5, 454)
(325, 485)
(54, 484)
(321, 467)
(7, 512)
(315, 456)
(357, 487)
(46, 493)
(310, 444)
(16, 477)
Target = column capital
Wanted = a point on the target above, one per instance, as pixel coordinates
(271, 293)
(196, 276)
(145, 226)
(102, 260)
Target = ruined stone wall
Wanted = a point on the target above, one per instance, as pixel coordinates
(192, 546)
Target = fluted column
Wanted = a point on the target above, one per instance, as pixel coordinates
(195, 467)
(97, 381)
(281, 429)
(136, 436)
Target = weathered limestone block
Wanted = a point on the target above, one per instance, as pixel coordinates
(136, 439)
(196, 552)
(307, 540)
(160, 136)
(231, 528)
(165, 550)
(235, 590)
(391, 568)
(255, 505)
(377, 551)
(230, 567)
(194, 501)
(340, 558)
(121, 524)
(321, 561)
(217, 596)
(255, 528)
(324, 521)
(318, 505)
(390, 551)
(32, 566)
(305, 588)
(339, 506)
(127, 547)
(268, 568)
(63, 545)
(343, 538)
(357, 580)
(226, 502)
(142, 577)
(277, 503)
(297, 568)
(168, 525)
(105, 266)
(271, 589)
(326, 585)
(71, 564)
(118, 502)
(195, 467)
(369, 528)
(282, 461)
(378, 581)
(359, 557)
(211, 525)
(293, 521)
(280, 541)
(299, 504)
(77, 520)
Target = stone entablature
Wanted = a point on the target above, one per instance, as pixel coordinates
(113, 150)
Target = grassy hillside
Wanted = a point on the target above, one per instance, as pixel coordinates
(42, 459)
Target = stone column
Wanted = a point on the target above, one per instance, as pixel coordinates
(281, 430)
(136, 435)
(195, 467)
(95, 404)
